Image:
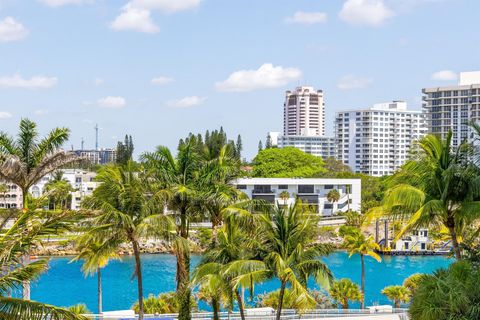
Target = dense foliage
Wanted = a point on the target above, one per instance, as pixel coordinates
(125, 150)
(286, 163)
(448, 294)
(291, 301)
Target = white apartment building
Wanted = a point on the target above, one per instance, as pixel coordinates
(377, 140)
(304, 112)
(12, 197)
(319, 146)
(82, 181)
(311, 191)
(101, 156)
(453, 107)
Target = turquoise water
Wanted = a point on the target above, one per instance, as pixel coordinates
(64, 283)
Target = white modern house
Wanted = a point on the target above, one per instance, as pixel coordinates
(311, 191)
(416, 241)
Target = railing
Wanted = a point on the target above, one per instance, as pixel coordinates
(266, 315)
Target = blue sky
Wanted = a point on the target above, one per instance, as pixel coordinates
(158, 69)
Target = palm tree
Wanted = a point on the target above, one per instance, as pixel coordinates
(412, 282)
(345, 290)
(441, 189)
(333, 196)
(398, 294)
(127, 212)
(231, 266)
(179, 178)
(96, 255)
(29, 229)
(287, 239)
(284, 195)
(355, 242)
(212, 289)
(26, 159)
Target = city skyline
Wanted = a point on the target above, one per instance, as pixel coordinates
(146, 68)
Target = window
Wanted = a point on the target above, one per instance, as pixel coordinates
(78, 179)
(423, 246)
(241, 187)
(282, 187)
(305, 188)
(328, 206)
(328, 186)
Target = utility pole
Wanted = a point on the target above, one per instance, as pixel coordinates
(96, 137)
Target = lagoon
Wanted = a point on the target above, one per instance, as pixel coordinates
(65, 285)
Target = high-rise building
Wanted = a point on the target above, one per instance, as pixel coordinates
(453, 107)
(11, 196)
(377, 140)
(319, 146)
(304, 112)
(101, 156)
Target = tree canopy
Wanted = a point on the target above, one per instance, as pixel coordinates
(286, 163)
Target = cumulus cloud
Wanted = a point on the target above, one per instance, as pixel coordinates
(161, 80)
(265, 77)
(35, 82)
(134, 19)
(98, 81)
(136, 14)
(166, 6)
(112, 102)
(444, 75)
(365, 12)
(307, 18)
(12, 30)
(5, 115)
(351, 81)
(41, 112)
(59, 3)
(186, 102)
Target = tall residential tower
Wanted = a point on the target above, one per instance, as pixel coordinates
(453, 107)
(304, 112)
(377, 140)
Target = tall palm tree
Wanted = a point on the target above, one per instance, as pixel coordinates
(288, 242)
(442, 190)
(127, 212)
(412, 282)
(26, 159)
(345, 290)
(333, 196)
(398, 294)
(95, 255)
(179, 178)
(29, 229)
(284, 195)
(355, 242)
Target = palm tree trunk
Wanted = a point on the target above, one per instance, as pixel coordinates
(453, 235)
(99, 290)
(240, 304)
(345, 305)
(280, 300)
(138, 271)
(362, 258)
(216, 308)
(397, 304)
(183, 271)
(26, 257)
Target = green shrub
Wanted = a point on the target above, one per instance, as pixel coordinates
(163, 303)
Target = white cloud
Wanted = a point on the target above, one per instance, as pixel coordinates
(307, 18)
(365, 12)
(166, 6)
(5, 115)
(41, 112)
(59, 3)
(444, 75)
(265, 77)
(35, 82)
(12, 30)
(161, 80)
(351, 81)
(136, 14)
(98, 81)
(134, 19)
(111, 102)
(186, 102)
